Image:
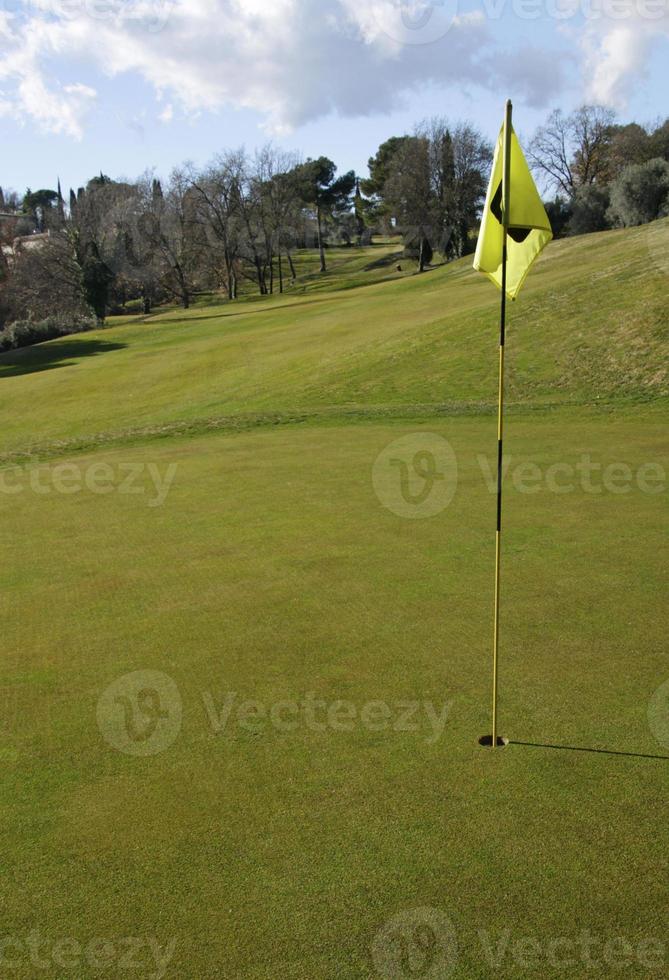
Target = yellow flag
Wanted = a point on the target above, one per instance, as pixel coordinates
(529, 229)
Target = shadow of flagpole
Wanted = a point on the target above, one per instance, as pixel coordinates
(581, 748)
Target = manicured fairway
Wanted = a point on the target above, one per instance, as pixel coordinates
(263, 563)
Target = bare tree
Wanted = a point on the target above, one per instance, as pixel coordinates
(134, 259)
(573, 151)
(219, 189)
(551, 152)
(172, 231)
(254, 246)
(279, 206)
(472, 159)
(46, 279)
(592, 128)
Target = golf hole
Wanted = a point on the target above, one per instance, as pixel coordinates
(486, 741)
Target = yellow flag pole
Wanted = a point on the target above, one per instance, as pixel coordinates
(506, 188)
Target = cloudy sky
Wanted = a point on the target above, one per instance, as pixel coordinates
(122, 85)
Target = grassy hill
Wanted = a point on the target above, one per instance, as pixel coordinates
(591, 325)
(212, 495)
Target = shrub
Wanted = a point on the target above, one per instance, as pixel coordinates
(132, 306)
(559, 215)
(589, 209)
(641, 193)
(23, 333)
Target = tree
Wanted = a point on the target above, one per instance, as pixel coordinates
(10, 201)
(589, 208)
(279, 198)
(326, 193)
(96, 279)
(45, 279)
(435, 187)
(256, 234)
(408, 192)
(72, 271)
(550, 152)
(380, 165)
(574, 150)
(133, 257)
(559, 213)
(659, 141)
(443, 181)
(629, 144)
(172, 231)
(591, 130)
(218, 191)
(641, 193)
(380, 168)
(472, 159)
(96, 234)
(40, 205)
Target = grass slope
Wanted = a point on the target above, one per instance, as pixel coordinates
(591, 325)
(272, 570)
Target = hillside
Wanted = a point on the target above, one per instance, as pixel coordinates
(591, 325)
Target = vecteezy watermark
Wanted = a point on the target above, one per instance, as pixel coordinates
(564, 10)
(416, 476)
(423, 943)
(140, 713)
(321, 716)
(658, 714)
(416, 943)
(586, 475)
(585, 952)
(120, 956)
(415, 21)
(149, 15)
(96, 478)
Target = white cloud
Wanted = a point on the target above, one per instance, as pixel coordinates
(617, 54)
(290, 60)
(55, 107)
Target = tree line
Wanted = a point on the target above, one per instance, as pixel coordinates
(237, 219)
(236, 223)
(603, 175)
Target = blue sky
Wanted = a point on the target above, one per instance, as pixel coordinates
(122, 85)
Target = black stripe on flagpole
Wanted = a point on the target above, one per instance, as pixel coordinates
(502, 333)
(499, 484)
(502, 341)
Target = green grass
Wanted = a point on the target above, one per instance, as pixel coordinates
(591, 326)
(273, 570)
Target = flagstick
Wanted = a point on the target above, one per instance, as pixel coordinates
(500, 415)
